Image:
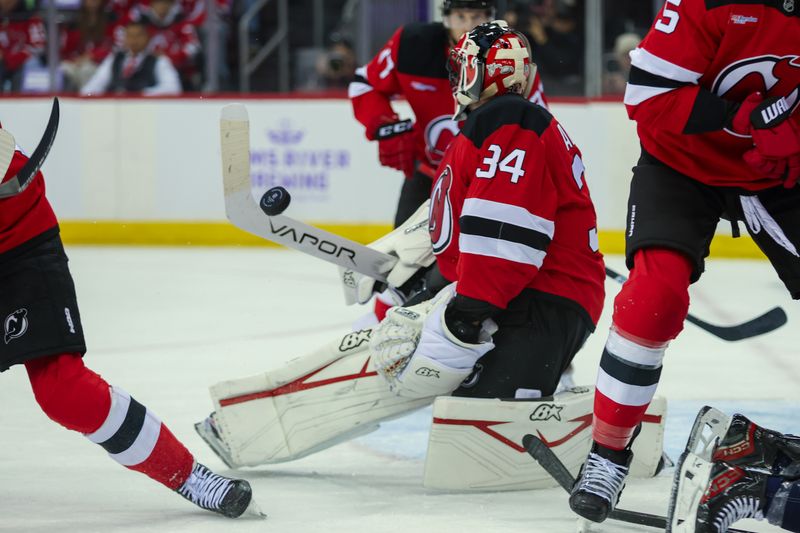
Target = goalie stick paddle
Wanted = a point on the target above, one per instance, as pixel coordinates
(244, 212)
(769, 321)
(548, 460)
(25, 176)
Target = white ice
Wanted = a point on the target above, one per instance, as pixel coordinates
(165, 323)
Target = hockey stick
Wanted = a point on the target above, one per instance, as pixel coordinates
(20, 182)
(553, 465)
(244, 212)
(769, 321)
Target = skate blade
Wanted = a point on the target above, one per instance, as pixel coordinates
(709, 427)
(688, 487)
(254, 511)
(211, 440)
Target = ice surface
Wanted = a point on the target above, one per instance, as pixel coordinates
(165, 323)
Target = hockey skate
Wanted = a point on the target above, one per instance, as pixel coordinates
(738, 441)
(219, 494)
(207, 429)
(708, 497)
(600, 483)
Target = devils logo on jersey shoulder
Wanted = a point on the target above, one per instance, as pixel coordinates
(772, 75)
(439, 133)
(15, 325)
(440, 221)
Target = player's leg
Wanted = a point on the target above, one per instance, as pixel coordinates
(43, 331)
(671, 220)
(538, 337)
(413, 194)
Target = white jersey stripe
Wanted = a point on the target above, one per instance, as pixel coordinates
(636, 94)
(653, 64)
(120, 400)
(501, 249)
(623, 393)
(634, 353)
(143, 446)
(510, 214)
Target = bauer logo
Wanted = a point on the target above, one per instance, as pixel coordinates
(546, 411)
(426, 372)
(15, 325)
(354, 340)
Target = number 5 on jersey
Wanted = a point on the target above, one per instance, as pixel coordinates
(512, 164)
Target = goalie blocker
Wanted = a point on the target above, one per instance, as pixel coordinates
(335, 394)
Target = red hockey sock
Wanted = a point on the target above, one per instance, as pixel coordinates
(80, 400)
(648, 313)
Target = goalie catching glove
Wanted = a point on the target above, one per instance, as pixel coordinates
(416, 350)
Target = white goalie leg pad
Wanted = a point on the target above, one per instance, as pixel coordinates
(311, 403)
(7, 148)
(476, 443)
(691, 479)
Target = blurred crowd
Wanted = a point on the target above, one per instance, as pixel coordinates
(156, 46)
(106, 46)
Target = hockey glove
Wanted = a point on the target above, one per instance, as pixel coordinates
(396, 144)
(776, 137)
(415, 351)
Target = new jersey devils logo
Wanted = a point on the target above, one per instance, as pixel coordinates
(15, 325)
(771, 75)
(438, 135)
(440, 221)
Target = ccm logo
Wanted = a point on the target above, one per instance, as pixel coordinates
(390, 130)
(323, 246)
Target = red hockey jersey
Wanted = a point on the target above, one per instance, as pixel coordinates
(26, 215)
(699, 56)
(511, 209)
(413, 64)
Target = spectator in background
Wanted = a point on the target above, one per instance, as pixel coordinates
(22, 41)
(618, 67)
(172, 35)
(336, 68)
(135, 69)
(86, 42)
(557, 40)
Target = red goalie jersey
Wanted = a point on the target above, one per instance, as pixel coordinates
(698, 60)
(413, 63)
(26, 215)
(511, 210)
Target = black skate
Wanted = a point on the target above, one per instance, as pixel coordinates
(732, 494)
(210, 491)
(748, 445)
(600, 483)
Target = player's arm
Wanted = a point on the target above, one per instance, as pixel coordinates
(373, 87)
(99, 81)
(663, 89)
(507, 221)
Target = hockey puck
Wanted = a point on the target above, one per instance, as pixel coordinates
(275, 201)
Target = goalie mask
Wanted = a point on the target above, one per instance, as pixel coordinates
(490, 60)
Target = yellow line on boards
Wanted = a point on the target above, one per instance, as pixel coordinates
(160, 233)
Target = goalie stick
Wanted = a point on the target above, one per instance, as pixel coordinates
(20, 182)
(244, 212)
(553, 465)
(769, 321)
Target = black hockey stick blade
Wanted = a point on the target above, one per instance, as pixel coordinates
(769, 321)
(548, 460)
(25, 176)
